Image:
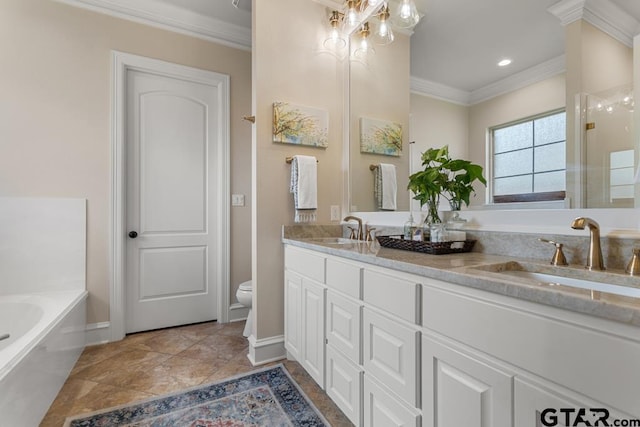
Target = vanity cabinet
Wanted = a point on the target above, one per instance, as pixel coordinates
(304, 317)
(401, 349)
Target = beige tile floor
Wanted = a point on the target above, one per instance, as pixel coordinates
(153, 363)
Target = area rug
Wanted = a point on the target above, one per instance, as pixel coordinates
(265, 397)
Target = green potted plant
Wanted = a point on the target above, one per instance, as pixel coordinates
(443, 176)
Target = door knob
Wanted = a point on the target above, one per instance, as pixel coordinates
(133, 234)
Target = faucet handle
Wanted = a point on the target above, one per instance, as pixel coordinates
(369, 237)
(558, 257)
(633, 268)
(352, 233)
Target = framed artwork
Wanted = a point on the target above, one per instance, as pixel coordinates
(380, 137)
(294, 124)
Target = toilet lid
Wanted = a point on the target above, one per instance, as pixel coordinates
(246, 286)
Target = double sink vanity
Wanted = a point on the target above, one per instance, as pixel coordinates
(472, 339)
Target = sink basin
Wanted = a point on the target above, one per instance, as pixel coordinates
(552, 279)
(538, 274)
(332, 240)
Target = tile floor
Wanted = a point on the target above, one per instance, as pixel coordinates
(153, 363)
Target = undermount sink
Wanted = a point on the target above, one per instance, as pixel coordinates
(532, 273)
(332, 240)
(552, 279)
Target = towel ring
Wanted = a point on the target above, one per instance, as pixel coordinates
(289, 159)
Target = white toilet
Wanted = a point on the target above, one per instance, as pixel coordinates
(244, 297)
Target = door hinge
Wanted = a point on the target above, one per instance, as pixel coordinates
(591, 125)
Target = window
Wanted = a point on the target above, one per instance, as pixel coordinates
(529, 159)
(621, 176)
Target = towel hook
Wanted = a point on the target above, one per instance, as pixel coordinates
(251, 119)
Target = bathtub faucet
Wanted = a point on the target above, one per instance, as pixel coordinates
(4, 337)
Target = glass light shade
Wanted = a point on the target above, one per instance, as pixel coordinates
(364, 47)
(351, 14)
(406, 15)
(383, 33)
(335, 40)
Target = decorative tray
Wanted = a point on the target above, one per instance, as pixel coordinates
(433, 248)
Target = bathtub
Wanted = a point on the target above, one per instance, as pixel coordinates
(47, 335)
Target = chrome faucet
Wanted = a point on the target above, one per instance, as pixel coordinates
(360, 235)
(594, 258)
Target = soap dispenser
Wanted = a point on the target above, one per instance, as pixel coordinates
(409, 227)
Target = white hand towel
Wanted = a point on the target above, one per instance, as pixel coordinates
(389, 186)
(304, 186)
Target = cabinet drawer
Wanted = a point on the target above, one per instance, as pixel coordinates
(391, 354)
(344, 277)
(399, 297)
(381, 409)
(304, 262)
(344, 384)
(344, 325)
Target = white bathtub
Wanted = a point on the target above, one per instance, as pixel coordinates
(47, 335)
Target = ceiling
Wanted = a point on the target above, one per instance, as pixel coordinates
(455, 46)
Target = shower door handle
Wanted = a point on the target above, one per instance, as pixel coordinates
(133, 234)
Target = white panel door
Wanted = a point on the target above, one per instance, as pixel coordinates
(293, 314)
(381, 409)
(313, 342)
(459, 390)
(172, 143)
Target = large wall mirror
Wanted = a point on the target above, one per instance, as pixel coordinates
(444, 87)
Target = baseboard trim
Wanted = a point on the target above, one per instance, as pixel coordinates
(266, 350)
(238, 312)
(98, 333)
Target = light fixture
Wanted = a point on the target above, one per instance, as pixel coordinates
(351, 15)
(407, 14)
(364, 46)
(383, 34)
(335, 39)
(504, 62)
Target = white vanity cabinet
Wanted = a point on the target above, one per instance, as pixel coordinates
(399, 349)
(305, 298)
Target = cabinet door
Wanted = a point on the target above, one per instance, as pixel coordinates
(293, 314)
(344, 384)
(313, 341)
(343, 325)
(460, 390)
(391, 354)
(381, 409)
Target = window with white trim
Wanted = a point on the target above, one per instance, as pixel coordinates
(529, 159)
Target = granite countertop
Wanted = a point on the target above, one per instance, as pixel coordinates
(486, 272)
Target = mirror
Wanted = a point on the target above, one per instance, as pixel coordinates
(463, 124)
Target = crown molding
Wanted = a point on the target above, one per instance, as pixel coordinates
(602, 14)
(516, 81)
(519, 80)
(170, 18)
(439, 91)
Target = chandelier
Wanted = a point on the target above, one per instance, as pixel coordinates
(373, 21)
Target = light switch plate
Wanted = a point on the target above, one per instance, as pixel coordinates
(237, 200)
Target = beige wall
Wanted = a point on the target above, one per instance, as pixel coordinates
(378, 90)
(288, 66)
(55, 116)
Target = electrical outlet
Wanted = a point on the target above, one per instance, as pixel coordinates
(237, 200)
(335, 213)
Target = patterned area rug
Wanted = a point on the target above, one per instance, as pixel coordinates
(266, 397)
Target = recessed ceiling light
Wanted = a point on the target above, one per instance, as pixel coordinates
(504, 62)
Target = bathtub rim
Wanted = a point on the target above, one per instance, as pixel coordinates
(75, 296)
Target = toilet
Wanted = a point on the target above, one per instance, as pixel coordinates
(243, 295)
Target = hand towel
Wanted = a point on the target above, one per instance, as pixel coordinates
(385, 186)
(304, 186)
